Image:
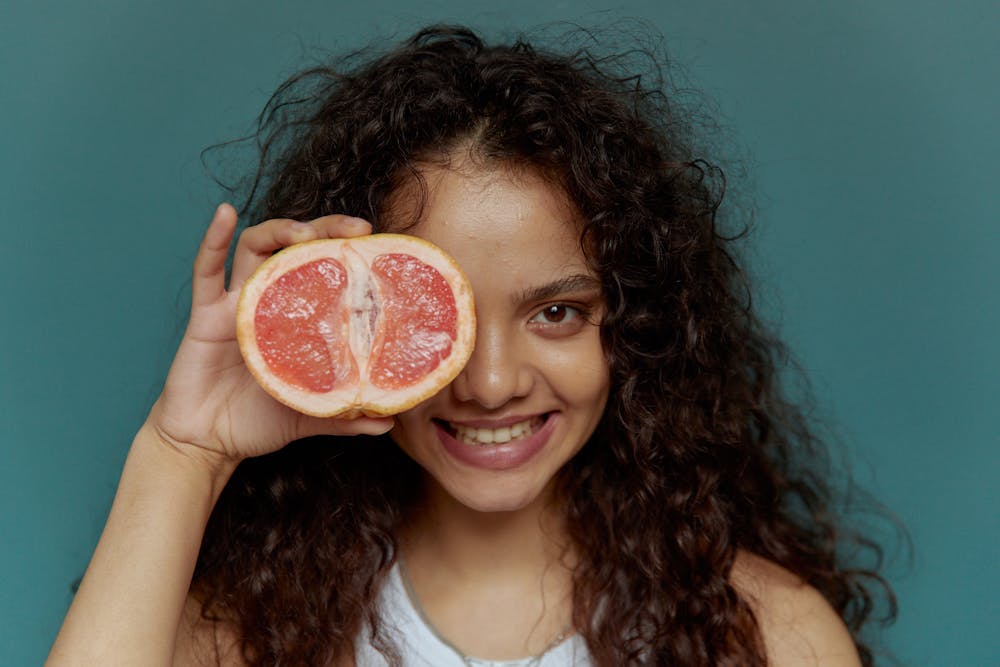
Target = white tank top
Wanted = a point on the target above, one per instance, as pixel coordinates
(420, 645)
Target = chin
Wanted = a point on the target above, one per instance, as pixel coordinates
(496, 498)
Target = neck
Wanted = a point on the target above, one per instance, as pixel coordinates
(467, 542)
(507, 571)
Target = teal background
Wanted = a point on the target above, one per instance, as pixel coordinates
(871, 135)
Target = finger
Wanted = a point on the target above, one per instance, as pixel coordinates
(208, 282)
(259, 242)
(340, 226)
(309, 426)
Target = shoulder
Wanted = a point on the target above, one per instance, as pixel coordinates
(798, 625)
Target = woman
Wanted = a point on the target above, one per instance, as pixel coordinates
(647, 507)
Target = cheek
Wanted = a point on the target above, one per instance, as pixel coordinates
(580, 372)
(405, 432)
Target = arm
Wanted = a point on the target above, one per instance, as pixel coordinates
(130, 600)
(210, 416)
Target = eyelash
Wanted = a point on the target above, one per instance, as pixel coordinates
(579, 314)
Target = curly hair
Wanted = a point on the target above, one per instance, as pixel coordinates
(698, 454)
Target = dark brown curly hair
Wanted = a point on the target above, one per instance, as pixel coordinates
(698, 454)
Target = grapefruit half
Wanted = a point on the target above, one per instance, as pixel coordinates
(367, 325)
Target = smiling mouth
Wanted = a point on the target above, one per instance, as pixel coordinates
(493, 436)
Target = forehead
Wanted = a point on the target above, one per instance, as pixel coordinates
(507, 220)
(499, 205)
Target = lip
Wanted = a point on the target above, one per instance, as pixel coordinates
(503, 456)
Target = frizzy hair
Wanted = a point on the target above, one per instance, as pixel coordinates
(697, 456)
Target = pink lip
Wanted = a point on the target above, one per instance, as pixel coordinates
(497, 457)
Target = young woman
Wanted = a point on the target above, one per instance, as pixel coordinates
(613, 479)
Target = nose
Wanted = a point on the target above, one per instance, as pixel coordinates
(497, 371)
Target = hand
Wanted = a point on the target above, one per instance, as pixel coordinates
(211, 406)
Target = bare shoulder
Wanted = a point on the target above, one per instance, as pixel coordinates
(798, 625)
(203, 643)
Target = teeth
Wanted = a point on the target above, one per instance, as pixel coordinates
(489, 436)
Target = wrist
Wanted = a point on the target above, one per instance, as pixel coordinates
(189, 461)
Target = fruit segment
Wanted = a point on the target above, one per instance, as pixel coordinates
(417, 323)
(302, 328)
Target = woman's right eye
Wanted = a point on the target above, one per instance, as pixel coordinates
(558, 320)
(556, 314)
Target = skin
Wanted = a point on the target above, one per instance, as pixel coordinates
(486, 549)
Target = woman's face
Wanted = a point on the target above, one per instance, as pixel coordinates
(537, 382)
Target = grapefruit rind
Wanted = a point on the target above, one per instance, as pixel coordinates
(362, 398)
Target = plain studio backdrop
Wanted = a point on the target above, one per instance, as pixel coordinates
(869, 131)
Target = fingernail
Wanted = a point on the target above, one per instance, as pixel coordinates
(385, 426)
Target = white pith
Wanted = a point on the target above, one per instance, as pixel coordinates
(362, 296)
(489, 436)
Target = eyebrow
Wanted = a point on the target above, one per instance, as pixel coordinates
(569, 284)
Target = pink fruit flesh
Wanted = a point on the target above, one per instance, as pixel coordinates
(302, 324)
(302, 327)
(417, 324)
